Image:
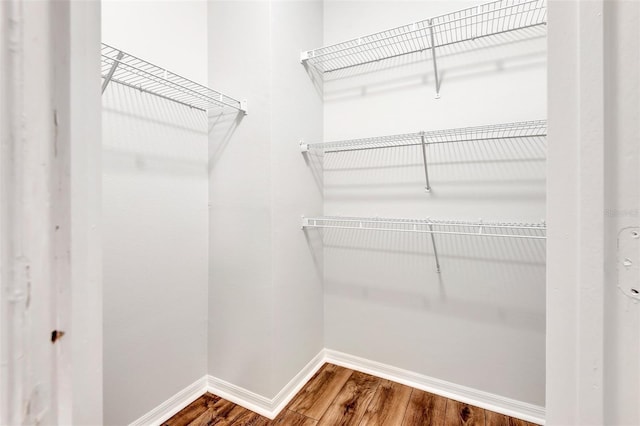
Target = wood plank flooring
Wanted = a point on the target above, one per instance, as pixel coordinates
(337, 396)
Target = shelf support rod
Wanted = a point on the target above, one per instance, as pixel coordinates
(112, 71)
(435, 250)
(424, 159)
(433, 57)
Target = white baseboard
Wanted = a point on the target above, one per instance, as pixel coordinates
(499, 404)
(173, 405)
(264, 406)
(293, 387)
(271, 407)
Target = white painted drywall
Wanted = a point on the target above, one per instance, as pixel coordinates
(481, 322)
(265, 294)
(168, 33)
(296, 114)
(81, 362)
(155, 214)
(240, 285)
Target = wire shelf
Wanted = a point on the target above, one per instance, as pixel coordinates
(467, 24)
(536, 231)
(128, 70)
(504, 131)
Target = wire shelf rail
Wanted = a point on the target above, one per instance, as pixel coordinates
(516, 130)
(489, 19)
(534, 231)
(128, 70)
(523, 130)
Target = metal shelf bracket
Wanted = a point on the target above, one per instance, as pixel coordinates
(305, 222)
(434, 59)
(114, 66)
(435, 250)
(427, 188)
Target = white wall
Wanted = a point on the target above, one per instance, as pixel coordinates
(296, 114)
(265, 294)
(155, 214)
(481, 322)
(240, 299)
(82, 393)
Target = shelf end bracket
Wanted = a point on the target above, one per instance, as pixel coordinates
(304, 222)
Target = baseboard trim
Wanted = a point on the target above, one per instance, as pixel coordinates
(269, 408)
(499, 404)
(238, 395)
(173, 405)
(295, 385)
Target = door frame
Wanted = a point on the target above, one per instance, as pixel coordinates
(50, 179)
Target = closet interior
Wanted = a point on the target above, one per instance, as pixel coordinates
(382, 207)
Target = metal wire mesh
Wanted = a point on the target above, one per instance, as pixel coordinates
(405, 139)
(429, 226)
(518, 130)
(488, 19)
(128, 70)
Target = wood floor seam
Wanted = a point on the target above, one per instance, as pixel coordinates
(406, 409)
(406, 406)
(362, 419)
(336, 395)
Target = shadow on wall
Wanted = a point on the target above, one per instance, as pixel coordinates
(505, 53)
(316, 78)
(507, 169)
(315, 161)
(223, 123)
(316, 245)
(481, 278)
(144, 133)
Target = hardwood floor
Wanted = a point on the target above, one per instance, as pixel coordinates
(316, 396)
(337, 396)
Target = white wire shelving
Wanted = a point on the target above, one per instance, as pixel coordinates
(534, 231)
(125, 69)
(524, 130)
(489, 19)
